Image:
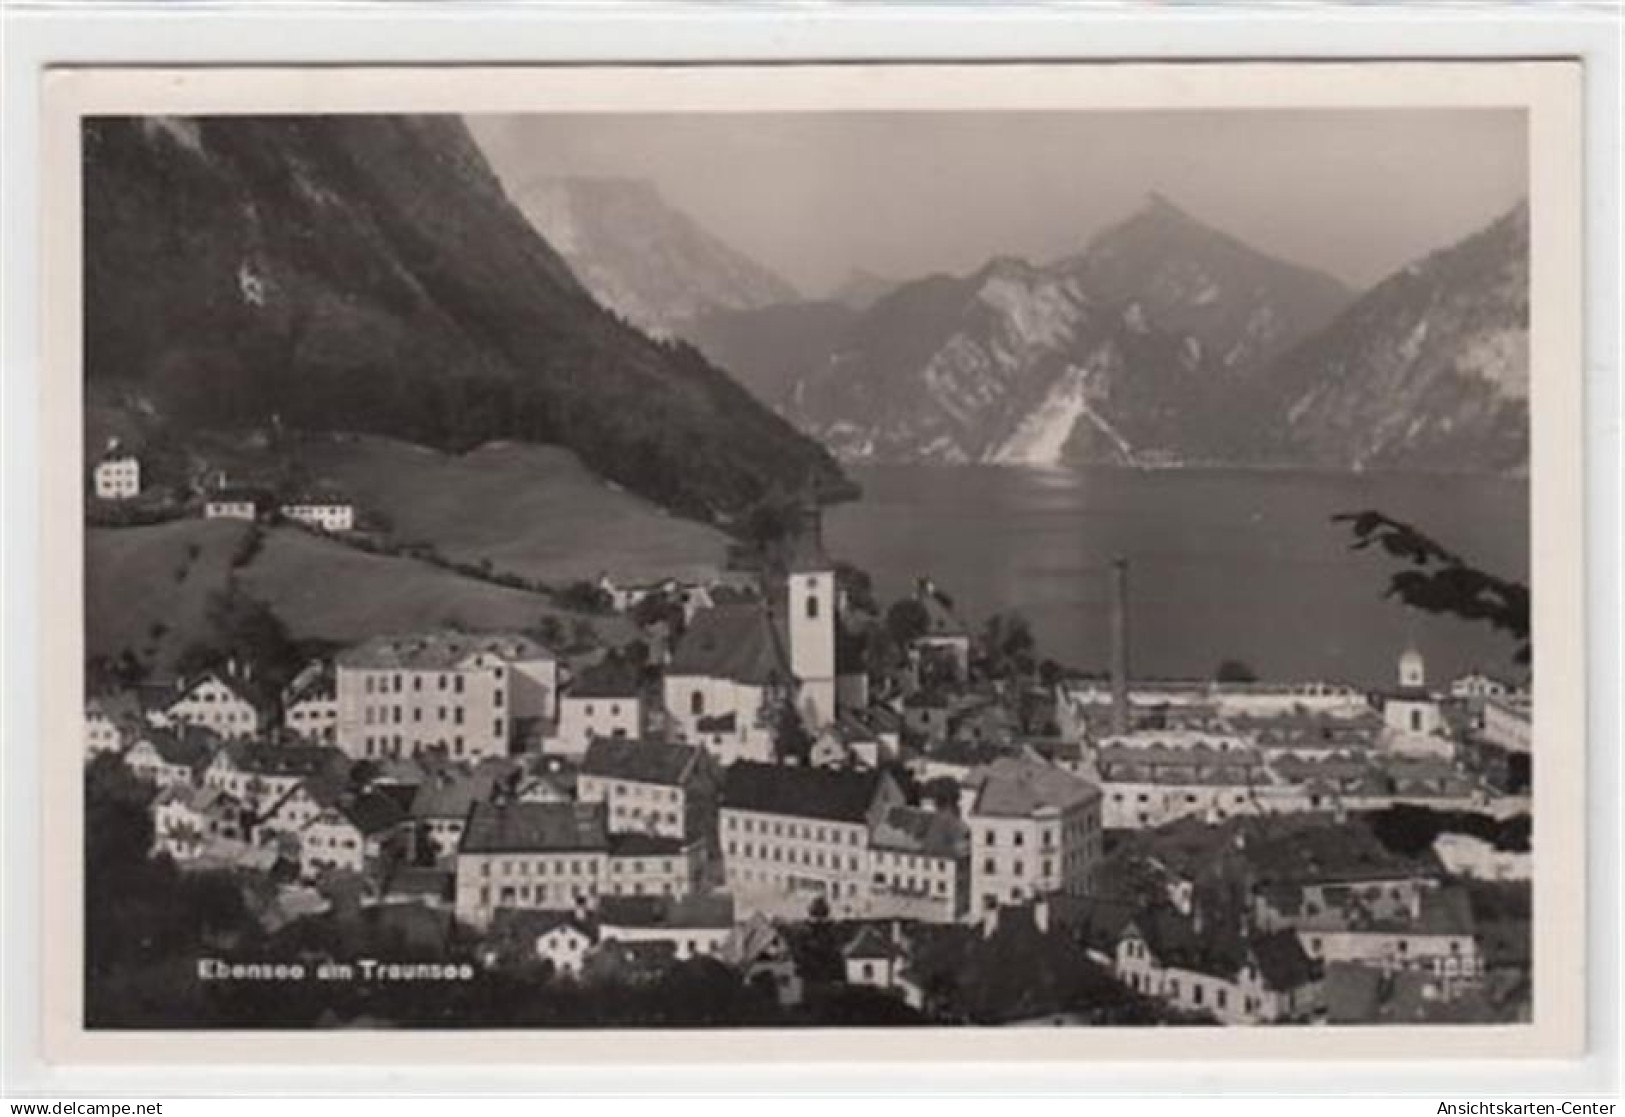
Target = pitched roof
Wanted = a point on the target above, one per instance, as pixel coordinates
(1017, 786)
(1282, 962)
(742, 642)
(372, 812)
(266, 759)
(248, 690)
(696, 911)
(450, 794)
(430, 651)
(645, 845)
(658, 762)
(186, 745)
(605, 680)
(871, 942)
(916, 830)
(536, 828)
(315, 680)
(824, 793)
(940, 619)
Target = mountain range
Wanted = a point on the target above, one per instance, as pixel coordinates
(371, 274)
(1164, 341)
(645, 260)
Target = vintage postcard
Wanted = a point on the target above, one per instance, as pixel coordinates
(1040, 557)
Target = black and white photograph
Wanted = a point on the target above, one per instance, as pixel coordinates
(832, 567)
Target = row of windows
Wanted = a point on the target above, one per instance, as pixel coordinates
(386, 715)
(1018, 867)
(396, 683)
(802, 830)
(911, 883)
(618, 789)
(792, 856)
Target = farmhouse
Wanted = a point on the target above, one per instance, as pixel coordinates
(238, 503)
(324, 511)
(117, 475)
(226, 700)
(171, 756)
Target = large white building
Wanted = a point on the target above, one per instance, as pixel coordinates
(651, 787)
(1035, 830)
(791, 835)
(468, 695)
(603, 702)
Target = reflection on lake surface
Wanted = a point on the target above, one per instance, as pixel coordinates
(1224, 563)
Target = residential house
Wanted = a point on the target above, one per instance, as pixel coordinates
(1438, 937)
(238, 503)
(793, 834)
(920, 865)
(561, 939)
(112, 723)
(188, 820)
(943, 648)
(462, 695)
(1253, 979)
(873, 959)
(442, 803)
(310, 704)
(649, 865)
(604, 701)
(227, 700)
(1035, 830)
(759, 952)
(324, 511)
(1152, 784)
(552, 856)
(261, 773)
(117, 475)
(697, 925)
(651, 787)
(353, 834)
(171, 756)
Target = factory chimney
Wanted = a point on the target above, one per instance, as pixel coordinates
(1119, 625)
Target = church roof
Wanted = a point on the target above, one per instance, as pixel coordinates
(742, 642)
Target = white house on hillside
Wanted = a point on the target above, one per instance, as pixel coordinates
(117, 475)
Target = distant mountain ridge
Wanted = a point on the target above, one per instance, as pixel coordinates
(1121, 353)
(643, 258)
(371, 274)
(1428, 369)
(1164, 342)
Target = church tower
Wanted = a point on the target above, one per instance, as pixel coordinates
(810, 616)
(1413, 673)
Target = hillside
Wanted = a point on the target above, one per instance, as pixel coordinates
(642, 257)
(370, 274)
(534, 511)
(1429, 370)
(769, 349)
(147, 589)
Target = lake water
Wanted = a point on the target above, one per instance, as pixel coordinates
(1222, 563)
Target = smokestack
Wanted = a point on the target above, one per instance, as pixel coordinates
(1119, 625)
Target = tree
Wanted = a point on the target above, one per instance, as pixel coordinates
(1007, 646)
(1437, 580)
(906, 621)
(1235, 671)
(858, 587)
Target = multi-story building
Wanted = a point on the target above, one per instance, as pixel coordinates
(310, 704)
(1035, 830)
(650, 787)
(260, 774)
(603, 702)
(226, 700)
(188, 820)
(647, 865)
(919, 863)
(117, 476)
(552, 856)
(352, 834)
(171, 756)
(791, 835)
(696, 926)
(728, 678)
(465, 695)
(1151, 784)
(112, 723)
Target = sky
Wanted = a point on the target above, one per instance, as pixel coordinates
(815, 196)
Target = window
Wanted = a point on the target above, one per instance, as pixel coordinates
(812, 607)
(696, 703)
